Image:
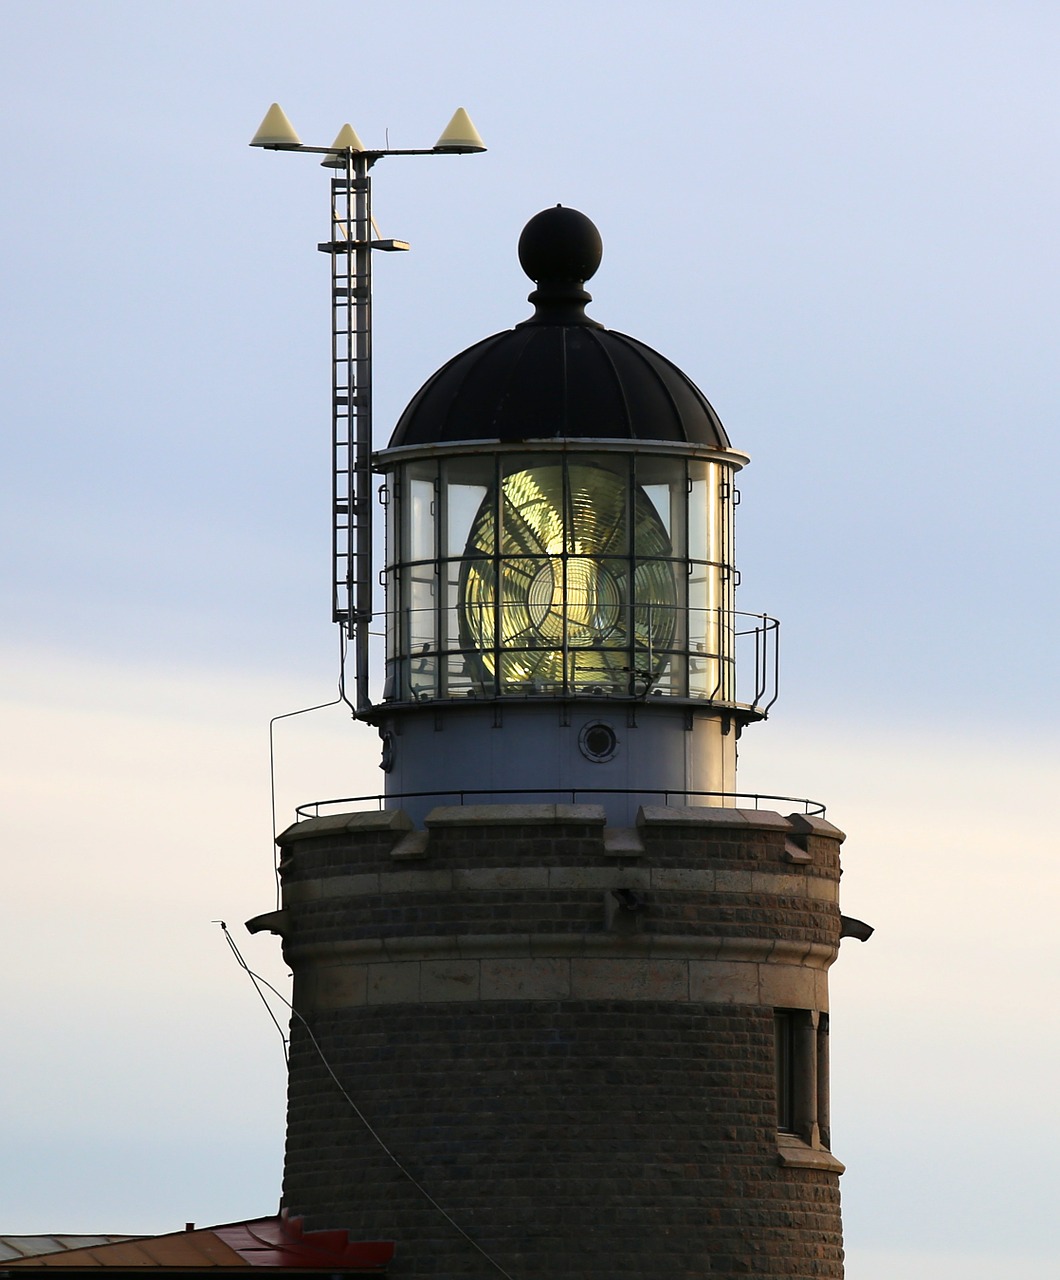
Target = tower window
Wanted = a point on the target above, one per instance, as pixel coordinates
(800, 1038)
(784, 1028)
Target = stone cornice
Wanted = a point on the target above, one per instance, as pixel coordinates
(795, 884)
(644, 946)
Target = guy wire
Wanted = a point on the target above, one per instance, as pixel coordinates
(261, 995)
(256, 979)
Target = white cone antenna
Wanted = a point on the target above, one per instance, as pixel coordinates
(460, 135)
(346, 139)
(276, 131)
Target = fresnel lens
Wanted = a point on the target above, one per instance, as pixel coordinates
(552, 597)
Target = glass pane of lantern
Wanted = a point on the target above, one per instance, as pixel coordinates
(598, 520)
(706, 628)
(700, 502)
(422, 616)
(663, 482)
(467, 480)
(531, 509)
(421, 508)
(451, 638)
(716, 507)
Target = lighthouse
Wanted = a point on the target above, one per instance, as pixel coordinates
(561, 993)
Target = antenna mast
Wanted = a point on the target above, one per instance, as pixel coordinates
(350, 245)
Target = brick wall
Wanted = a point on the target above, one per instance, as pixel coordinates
(588, 1090)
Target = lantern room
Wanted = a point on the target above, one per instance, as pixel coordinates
(560, 573)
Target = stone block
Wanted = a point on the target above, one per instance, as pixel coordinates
(435, 880)
(591, 814)
(394, 983)
(339, 986)
(629, 979)
(479, 879)
(820, 979)
(623, 842)
(523, 978)
(707, 817)
(411, 846)
(796, 853)
(794, 1153)
(672, 815)
(785, 986)
(346, 886)
(337, 823)
(723, 981)
(310, 828)
(379, 820)
(820, 889)
(598, 878)
(807, 824)
(683, 879)
(765, 820)
(514, 815)
(791, 886)
(296, 892)
(442, 980)
(733, 882)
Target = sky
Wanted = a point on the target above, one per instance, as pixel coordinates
(839, 219)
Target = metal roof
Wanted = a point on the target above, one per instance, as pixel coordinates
(30, 1246)
(560, 374)
(279, 1242)
(573, 381)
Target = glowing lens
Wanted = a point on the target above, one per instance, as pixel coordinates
(563, 603)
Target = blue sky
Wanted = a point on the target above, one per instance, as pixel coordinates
(838, 219)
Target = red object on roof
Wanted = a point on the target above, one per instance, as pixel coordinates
(283, 1242)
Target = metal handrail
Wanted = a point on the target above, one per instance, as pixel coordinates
(313, 808)
(742, 643)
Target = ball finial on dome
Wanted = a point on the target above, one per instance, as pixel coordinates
(560, 245)
(559, 250)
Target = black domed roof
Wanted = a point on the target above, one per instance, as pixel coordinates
(559, 374)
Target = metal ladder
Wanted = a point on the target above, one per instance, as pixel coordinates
(350, 247)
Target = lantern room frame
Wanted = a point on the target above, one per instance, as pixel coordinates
(645, 606)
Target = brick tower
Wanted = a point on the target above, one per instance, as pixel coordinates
(561, 1000)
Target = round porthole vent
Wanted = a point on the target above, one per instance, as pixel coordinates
(597, 742)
